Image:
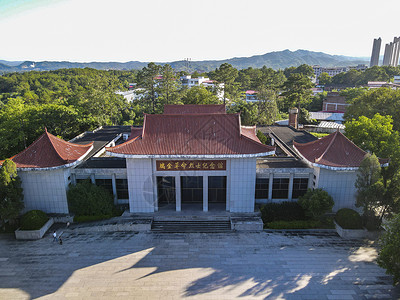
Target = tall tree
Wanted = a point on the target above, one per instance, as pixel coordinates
(147, 78)
(226, 74)
(11, 196)
(168, 85)
(297, 90)
(375, 197)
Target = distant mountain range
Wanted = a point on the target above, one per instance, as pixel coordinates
(276, 60)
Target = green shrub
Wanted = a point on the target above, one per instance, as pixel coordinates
(261, 136)
(316, 203)
(348, 219)
(371, 221)
(389, 257)
(33, 220)
(87, 199)
(301, 224)
(284, 211)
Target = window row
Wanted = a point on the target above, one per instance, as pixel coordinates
(280, 188)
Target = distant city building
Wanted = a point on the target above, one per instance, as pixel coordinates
(379, 84)
(332, 71)
(189, 82)
(376, 50)
(251, 96)
(132, 95)
(391, 55)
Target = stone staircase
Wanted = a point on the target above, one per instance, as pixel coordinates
(191, 225)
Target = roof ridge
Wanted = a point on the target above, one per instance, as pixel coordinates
(54, 147)
(327, 148)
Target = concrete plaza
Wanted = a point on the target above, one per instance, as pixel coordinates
(127, 265)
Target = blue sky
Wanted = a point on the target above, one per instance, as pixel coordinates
(159, 30)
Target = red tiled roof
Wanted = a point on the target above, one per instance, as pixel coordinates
(50, 151)
(334, 150)
(135, 132)
(251, 92)
(192, 134)
(194, 109)
(250, 132)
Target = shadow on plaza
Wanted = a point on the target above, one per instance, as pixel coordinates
(260, 278)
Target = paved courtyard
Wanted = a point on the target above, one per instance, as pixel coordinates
(126, 265)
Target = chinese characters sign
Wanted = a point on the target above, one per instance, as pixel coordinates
(191, 165)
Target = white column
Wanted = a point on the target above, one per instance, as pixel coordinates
(271, 180)
(178, 192)
(290, 186)
(205, 193)
(310, 180)
(114, 188)
(92, 178)
(73, 179)
(155, 193)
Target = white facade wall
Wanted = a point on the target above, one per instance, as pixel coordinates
(240, 190)
(140, 185)
(45, 190)
(340, 185)
(242, 184)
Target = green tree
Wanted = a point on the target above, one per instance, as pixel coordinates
(324, 79)
(303, 69)
(261, 136)
(375, 197)
(147, 79)
(198, 95)
(248, 112)
(297, 90)
(389, 254)
(375, 135)
(168, 85)
(11, 194)
(316, 203)
(384, 101)
(226, 74)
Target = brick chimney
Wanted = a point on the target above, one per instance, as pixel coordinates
(293, 112)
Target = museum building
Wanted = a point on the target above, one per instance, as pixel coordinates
(191, 157)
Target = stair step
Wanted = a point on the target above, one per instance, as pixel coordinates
(191, 226)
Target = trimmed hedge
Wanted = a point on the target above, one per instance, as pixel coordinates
(348, 219)
(87, 199)
(301, 224)
(33, 220)
(284, 211)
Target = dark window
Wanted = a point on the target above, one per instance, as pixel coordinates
(166, 190)
(122, 188)
(280, 188)
(262, 186)
(216, 189)
(105, 183)
(300, 186)
(192, 189)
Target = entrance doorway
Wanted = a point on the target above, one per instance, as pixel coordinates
(192, 190)
(166, 192)
(217, 192)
